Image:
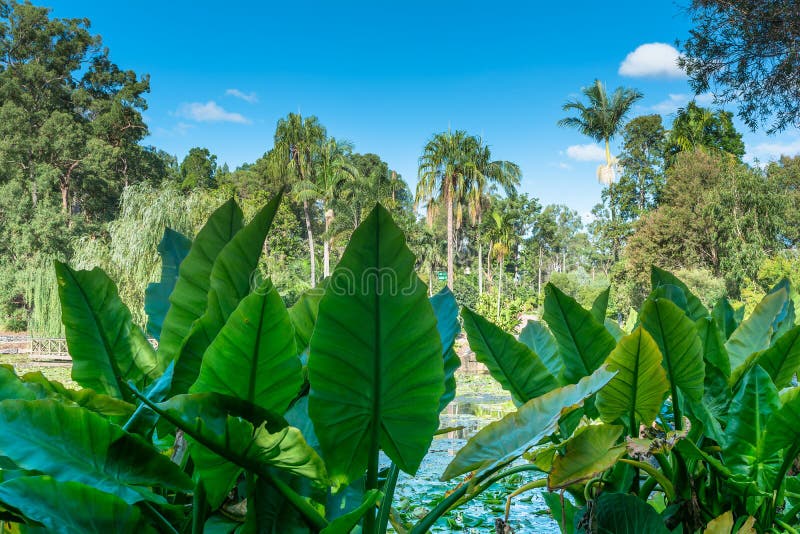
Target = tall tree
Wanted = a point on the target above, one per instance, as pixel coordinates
(297, 140)
(332, 168)
(601, 118)
(698, 127)
(746, 52)
(502, 234)
(444, 168)
(486, 175)
(642, 161)
(198, 169)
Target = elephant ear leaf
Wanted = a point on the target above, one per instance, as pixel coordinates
(755, 333)
(229, 282)
(746, 450)
(590, 451)
(304, 316)
(583, 342)
(254, 357)
(724, 317)
(638, 390)
(65, 507)
(600, 305)
(90, 450)
(538, 338)
(446, 309)
(513, 364)
(375, 362)
(173, 249)
(694, 307)
(782, 360)
(189, 298)
(677, 339)
(107, 349)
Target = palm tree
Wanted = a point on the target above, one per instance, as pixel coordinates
(332, 169)
(486, 175)
(601, 119)
(297, 140)
(446, 166)
(502, 234)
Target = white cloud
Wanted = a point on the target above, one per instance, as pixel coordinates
(773, 151)
(652, 60)
(209, 112)
(247, 97)
(588, 152)
(675, 101)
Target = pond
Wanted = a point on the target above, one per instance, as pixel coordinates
(478, 402)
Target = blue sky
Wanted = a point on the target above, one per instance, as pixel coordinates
(386, 76)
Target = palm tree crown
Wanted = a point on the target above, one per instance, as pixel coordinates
(601, 119)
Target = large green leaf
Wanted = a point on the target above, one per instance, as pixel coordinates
(562, 510)
(34, 386)
(304, 315)
(67, 507)
(724, 317)
(745, 449)
(445, 308)
(538, 338)
(375, 364)
(782, 360)
(783, 428)
(755, 332)
(107, 349)
(638, 390)
(620, 513)
(88, 449)
(173, 249)
(505, 440)
(600, 305)
(716, 391)
(231, 279)
(345, 523)
(514, 365)
(227, 435)
(784, 320)
(254, 357)
(677, 339)
(695, 308)
(582, 342)
(590, 451)
(189, 299)
(714, 351)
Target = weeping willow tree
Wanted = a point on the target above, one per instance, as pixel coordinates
(41, 292)
(129, 250)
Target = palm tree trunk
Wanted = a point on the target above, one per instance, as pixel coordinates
(608, 153)
(310, 232)
(499, 284)
(449, 201)
(539, 290)
(430, 279)
(480, 259)
(326, 245)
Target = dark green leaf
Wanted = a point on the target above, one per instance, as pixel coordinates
(677, 339)
(694, 308)
(619, 513)
(230, 281)
(71, 507)
(724, 317)
(304, 315)
(254, 357)
(538, 338)
(755, 333)
(89, 449)
(638, 390)
(346, 523)
(107, 349)
(511, 363)
(583, 343)
(189, 299)
(446, 310)
(173, 249)
(782, 360)
(600, 305)
(375, 364)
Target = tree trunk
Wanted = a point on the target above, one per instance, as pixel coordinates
(430, 279)
(489, 262)
(540, 274)
(310, 233)
(326, 245)
(480, 259)
(499, 284)
(449, 201)
(64, 197)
